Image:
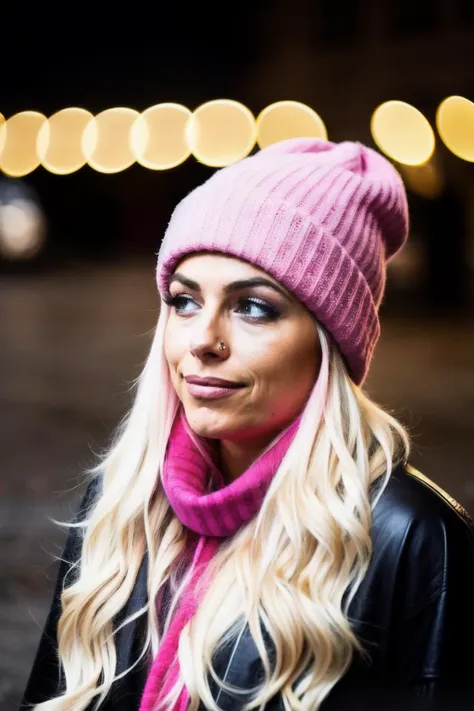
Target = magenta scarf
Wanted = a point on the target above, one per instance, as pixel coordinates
(189, 461)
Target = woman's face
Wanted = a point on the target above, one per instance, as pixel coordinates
(271, 349)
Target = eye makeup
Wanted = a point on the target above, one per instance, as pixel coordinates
(268, 312)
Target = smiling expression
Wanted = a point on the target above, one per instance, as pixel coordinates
(271, 346)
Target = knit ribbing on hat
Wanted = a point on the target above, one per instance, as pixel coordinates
(321, 218)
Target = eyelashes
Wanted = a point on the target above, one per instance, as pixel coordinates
(267, 311)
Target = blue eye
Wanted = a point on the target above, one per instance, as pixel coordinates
(265, 312)
(269, 312)
(176, 301)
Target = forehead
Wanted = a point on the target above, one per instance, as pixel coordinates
(213, 267)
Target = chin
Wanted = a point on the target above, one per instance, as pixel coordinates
(213, 424)
(205, 421)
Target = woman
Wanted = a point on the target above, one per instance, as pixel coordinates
(264, 538)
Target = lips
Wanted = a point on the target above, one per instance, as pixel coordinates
(209, 392)
(212, 382)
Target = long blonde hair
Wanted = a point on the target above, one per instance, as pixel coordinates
(295, 567)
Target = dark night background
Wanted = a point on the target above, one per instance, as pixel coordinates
(75, 321)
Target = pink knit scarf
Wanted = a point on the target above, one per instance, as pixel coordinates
(220, 513)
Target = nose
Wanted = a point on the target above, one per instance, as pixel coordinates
(209, 348)
(206, 338)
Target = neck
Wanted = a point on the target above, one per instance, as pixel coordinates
(237, 457)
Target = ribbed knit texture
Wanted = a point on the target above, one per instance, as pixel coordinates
(322, 218)
(217, 514)
(222, 512)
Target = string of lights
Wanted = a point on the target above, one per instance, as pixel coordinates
(217, 133)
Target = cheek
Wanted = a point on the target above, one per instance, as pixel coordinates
(173, 360)
(168, 351)
(291, 371)
(173, 363)
(171, 345)
(175, 348)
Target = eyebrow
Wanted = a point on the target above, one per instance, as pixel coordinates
(233, 286)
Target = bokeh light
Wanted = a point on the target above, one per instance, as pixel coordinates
(3, 132)
(59, 144)
(20, 132)
(402, 133)
(106, 142)
(426, 180)
(158, 136)
(22, 223)
(455, 124)
(288, 119)
(217, 133)
(221, 132)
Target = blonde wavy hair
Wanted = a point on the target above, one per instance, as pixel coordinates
(295, 567)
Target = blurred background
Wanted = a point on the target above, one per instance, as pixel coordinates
(106, 122)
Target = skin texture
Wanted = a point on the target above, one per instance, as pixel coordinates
(277, 359)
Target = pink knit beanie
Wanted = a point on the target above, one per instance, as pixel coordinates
(322, 218)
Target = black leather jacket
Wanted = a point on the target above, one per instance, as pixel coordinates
(414, 614)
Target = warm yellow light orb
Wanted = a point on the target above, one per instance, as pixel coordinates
(426, 180)
(18, 135)
(402, 133)
(158, 136)
(455, 124)
(106, 140)
(59, 143)
(3, 132)
(221, 132)
(288, 119)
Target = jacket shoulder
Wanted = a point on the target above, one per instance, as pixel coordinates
(411, 497)
(422, 536)
(413, 610)
(443, 496)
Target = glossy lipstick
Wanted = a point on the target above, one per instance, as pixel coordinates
(210, 388)
(209, 392)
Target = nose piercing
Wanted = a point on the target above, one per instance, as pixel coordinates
(222, 345)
